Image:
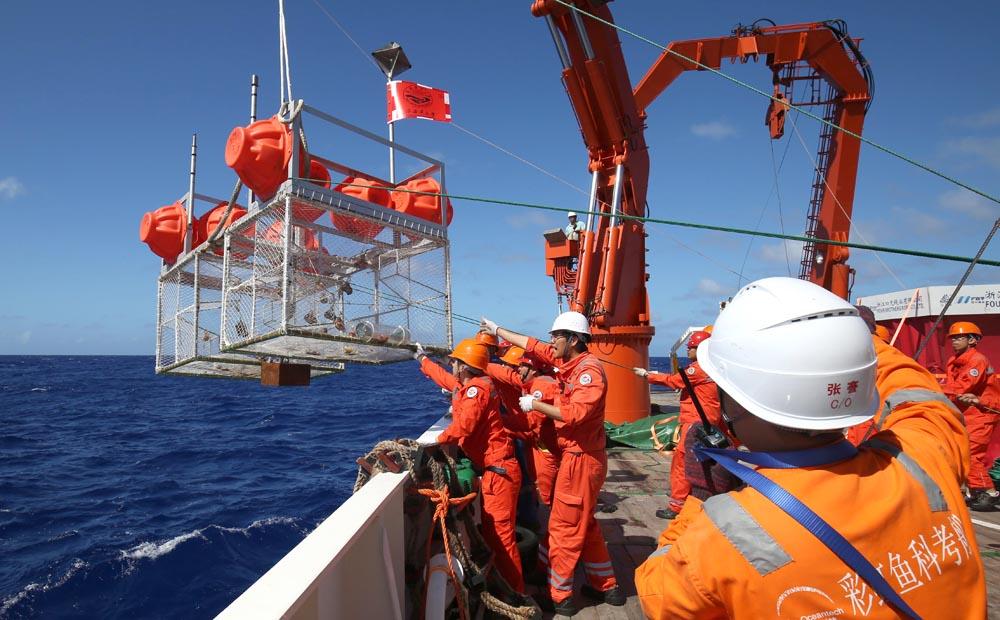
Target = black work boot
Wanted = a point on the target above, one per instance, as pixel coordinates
(614, 596)
(562, 608)
(666, 513)
(982, 501)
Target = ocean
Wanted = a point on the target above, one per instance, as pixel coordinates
(124, 494)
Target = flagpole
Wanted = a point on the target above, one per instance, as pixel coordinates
(392, 150)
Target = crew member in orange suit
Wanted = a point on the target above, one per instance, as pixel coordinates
(707, 395)
(967, 373)
(520, 372)
(574, 534)
(478, 431)
(897, 500)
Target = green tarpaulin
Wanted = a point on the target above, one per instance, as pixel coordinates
(994, 471)
(639, 434)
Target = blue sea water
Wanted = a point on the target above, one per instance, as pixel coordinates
(124, 494)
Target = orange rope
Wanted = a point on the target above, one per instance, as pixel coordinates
(442, 501)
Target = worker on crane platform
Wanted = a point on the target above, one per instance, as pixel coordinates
(573, 228)
(478, 431)
(967, 373)
(706, 392)
(823, 528)
(574, 534)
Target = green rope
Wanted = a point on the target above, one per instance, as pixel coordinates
(653, 220)
(738, 82)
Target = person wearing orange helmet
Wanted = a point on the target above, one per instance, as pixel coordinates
(478, 430)
(705, 391)
(578, 417)
(967, 373)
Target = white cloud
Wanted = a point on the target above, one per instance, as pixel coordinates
(711, 287)
(989, 118)
(531, 219)
(985, 149)
(918, 221)
(964, 201)
(10, 188)
(778, 252)
(714, 130)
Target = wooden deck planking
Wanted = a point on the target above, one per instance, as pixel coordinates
(636, 487)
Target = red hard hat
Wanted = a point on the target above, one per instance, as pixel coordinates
(696, 339)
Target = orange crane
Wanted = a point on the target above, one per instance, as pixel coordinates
(603, 273)
(814, 54)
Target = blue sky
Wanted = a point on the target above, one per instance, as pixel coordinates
(100, 101)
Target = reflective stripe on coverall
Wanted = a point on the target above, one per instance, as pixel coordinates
(477, 429)
(574, 534)
(708, 396)
(899, 502)
(969, 373)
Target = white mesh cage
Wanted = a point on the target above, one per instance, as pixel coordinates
(354, 281)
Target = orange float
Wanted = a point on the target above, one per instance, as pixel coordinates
(367, 190)
(260, 152)
(319, 175)
(207, 223)
(418, 200)
(307, 240)
(164, 230)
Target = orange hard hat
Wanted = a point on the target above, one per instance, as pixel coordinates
(883, 332)
(696, 338)
(514, 356)
(963, 328)
(708, 329)
(488, 339)
(471, 352)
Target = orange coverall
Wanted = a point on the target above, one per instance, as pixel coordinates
(737, 555)
(574, 534)
(478, 431)
(860, 432)
(708, 396)
(969, 373)
(533, 427)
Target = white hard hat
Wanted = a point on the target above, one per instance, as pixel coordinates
(570, 214)
(571, 322)
(794, 354)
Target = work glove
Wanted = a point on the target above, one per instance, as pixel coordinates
(642, 372)
(487, 325)
(419, 352)
(526, 403)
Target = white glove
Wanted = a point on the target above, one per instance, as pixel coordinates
(419, 352)
(487, 325)
(642, 372)
(526, 403)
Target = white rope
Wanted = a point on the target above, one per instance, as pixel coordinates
(286, 74)
(336, 23)
(842, 209)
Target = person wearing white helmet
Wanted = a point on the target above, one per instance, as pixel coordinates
(573, 228)
(823, 528)
(574, 535)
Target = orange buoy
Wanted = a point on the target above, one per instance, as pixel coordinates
(307, 239)
(418, 200)
(259, 153)
(164, 230)
(319, 175)
(367, 190)
(207, 223)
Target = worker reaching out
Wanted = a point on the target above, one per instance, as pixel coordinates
(705, 391)
(478, 431)
(823, 528)
(968, 371)
(574, 534)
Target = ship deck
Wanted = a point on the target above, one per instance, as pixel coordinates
(636, 487)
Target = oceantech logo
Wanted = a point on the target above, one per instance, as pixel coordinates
(964, 299)
(417, 99)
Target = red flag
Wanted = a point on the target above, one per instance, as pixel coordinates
(412, 100)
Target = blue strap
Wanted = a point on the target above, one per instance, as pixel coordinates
(808, 519)
(791, 459)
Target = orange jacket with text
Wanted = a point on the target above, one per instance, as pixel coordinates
(966, 374)
(581, 400)
(475, 410)
(704, 388)
(898, 501)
